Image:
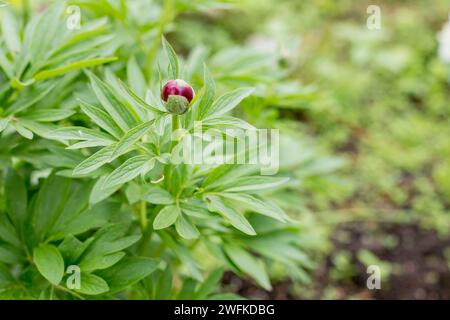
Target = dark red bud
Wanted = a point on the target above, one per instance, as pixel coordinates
(177, 88)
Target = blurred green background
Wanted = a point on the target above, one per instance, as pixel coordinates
(365, 124)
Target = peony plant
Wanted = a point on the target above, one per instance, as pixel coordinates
(94, 203)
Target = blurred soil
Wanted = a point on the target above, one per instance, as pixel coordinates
(415, 257)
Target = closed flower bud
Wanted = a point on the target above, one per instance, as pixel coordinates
(177, 94)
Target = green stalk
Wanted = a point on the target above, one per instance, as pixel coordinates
(143, 215)
(25, 10)
(147, 228)
(175, 127)
(147, 235)
(175, 122)
(146, 240)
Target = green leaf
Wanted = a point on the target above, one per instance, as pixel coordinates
(89, 144)
(110, 239)
(195, 208)
(95, 161)
(78, 222)
(194, 61)
(248, 265)
(5, 277)
(43, 34)
(101, 118)
(228, 102)
(7, 231)
(130, 138)
(154, 101)
(128, 272)
(29, 97)
(113, 107)
(133, 192)
(187, 290)
(71, 248)
(164, 288)
(87, 32)
(49, 262)
(22, 60)
(128, 98)
(174, 66)
(137, 102)
(92, 284)
(49, 115)
(50, 73)
(135, 77)
(38, 128)
(4, 123)
(79, 133)
(236, 219)
(6, 65)
(256, 183)
(106, 249)
(226, 174)
(228, 122)
(24, 132)
(16, 198)
(50, 203)
(257, 205)
(166, 217)
(10, 31)
(186, 228)
(102, 261)
(273, 246)
(209, 285)
(209, 91)
(10, 254)
(180, 250)
(157, 195)
(75, 201)
(129, 170)
(100, 191)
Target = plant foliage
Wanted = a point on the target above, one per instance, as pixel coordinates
(90, 188)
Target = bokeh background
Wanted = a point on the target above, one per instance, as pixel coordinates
(365, 123)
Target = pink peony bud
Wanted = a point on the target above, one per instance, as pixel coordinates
(177, 88)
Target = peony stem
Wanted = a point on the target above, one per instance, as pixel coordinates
(143, 215)
(175, 127)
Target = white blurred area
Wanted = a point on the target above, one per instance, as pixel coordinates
(444, 42)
